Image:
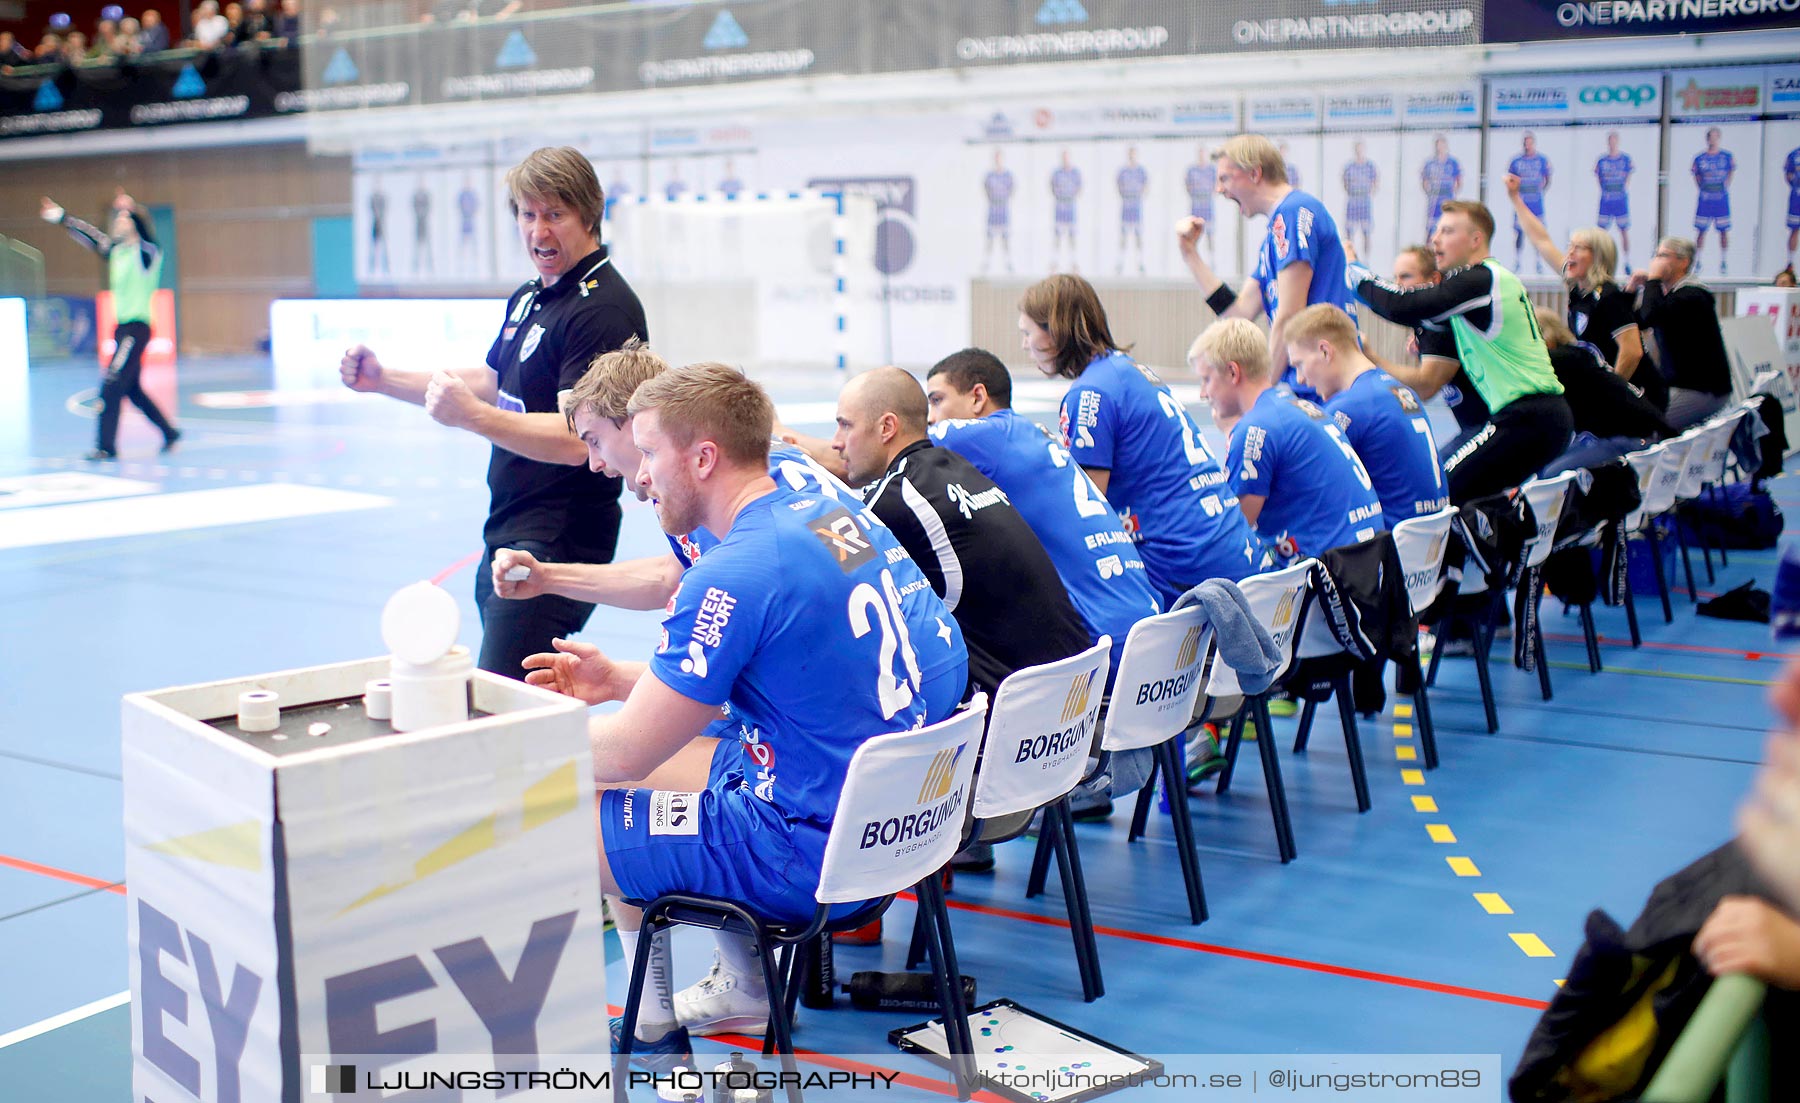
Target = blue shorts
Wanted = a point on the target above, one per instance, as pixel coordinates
(1793, 218)
(1358, 211)
(1131, 214)
(1065, 214)
(1714, 211)
(1615, 210)
(1201, 210)
(721, 841)
(997, 218)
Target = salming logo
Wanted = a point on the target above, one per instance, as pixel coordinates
(1076, 702)
(1190, 648)
(939, 776)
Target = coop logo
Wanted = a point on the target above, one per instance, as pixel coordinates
(1622, 95)
(1693, 97)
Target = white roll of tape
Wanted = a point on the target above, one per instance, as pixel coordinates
(259, 710)
(378, 699)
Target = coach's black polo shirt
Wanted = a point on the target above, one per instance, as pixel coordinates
(550, 337)
(982, 558)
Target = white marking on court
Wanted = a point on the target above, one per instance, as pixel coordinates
(142, 516)
(31, 491)
(57, 1022)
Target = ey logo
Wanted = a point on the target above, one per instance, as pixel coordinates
(1189, 650)
(939, 775)
(1076, 702)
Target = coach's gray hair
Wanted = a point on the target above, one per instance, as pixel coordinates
(1680, 246)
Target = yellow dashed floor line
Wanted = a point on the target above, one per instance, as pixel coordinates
(1441, 833)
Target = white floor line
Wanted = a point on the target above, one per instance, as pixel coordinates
(57, 1022)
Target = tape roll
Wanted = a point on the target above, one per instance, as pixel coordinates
(259, 710)
(378, 699)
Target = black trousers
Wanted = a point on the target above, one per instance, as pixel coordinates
(122, 382)
(1518, 440)
(511, 630)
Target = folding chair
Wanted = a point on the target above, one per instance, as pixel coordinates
(1706, 470)
(916, 778)
(1152, 706)
(1317, 642)
(1421, 542)
(1040, 728)
(1547, 497)
(1473, 584)
(1279, 601)
(1659, 498)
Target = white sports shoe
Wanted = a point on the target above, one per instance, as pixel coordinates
(723, 1003)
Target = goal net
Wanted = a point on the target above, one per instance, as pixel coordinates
(775, 283)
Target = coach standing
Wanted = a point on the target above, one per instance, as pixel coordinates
(543, 498)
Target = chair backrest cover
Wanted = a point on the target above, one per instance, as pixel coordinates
(1644, 462)
(1039, 730)
(1421, 542)
(1547, 497)
(1279, 601)
(1664, 481)
(1158, 679)
(900, 816)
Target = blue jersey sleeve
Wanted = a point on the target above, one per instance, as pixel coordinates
(974, 439)
(715, 628)
(1245, 464)
(1089, 424)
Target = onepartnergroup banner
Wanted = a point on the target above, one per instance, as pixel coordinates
(1005, 1071)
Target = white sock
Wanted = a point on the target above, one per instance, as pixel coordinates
(656, 1013)
(737, 953)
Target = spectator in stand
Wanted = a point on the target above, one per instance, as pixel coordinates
(287, 24)
(154, 36)
(1785, 277)
(130, 40)
(75, 48)
(11, 53)
(210, 28)
(234, 23)
(50, 49)
(257, 25)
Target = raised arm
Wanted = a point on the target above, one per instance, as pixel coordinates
(1466, 290)
(1534, 228)
(85, 233)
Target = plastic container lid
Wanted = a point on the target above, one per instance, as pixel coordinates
(420, 623)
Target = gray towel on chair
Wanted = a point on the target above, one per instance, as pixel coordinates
(1244, 644)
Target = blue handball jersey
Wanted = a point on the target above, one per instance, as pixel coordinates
(1385, 423)
(794, 469)
(1095, 557)
(1200, 181)
(1533, 173)
(1359, 179)
(1791, 171)
(1613, 172)
(1169, 490)
(1711, 171)
(1301, 229)
(1132, 181)
(1317, 495)
(816, 632)
(1065, 185)
(999, 187)
(1441, 178)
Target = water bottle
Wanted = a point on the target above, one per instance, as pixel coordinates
(1784, 603)
(873, 991)
(818, 974)
(723, 1089)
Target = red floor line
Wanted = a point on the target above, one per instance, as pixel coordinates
(442, 576)
(1252, 955)
(1754, 656)
(751, 1045)
(63, 875)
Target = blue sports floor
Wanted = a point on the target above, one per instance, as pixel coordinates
(1438, 922)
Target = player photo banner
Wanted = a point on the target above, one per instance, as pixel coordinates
(1537, 20)
(1443, 106)
(1362, 110)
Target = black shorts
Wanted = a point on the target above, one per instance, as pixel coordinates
(1515, 444)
